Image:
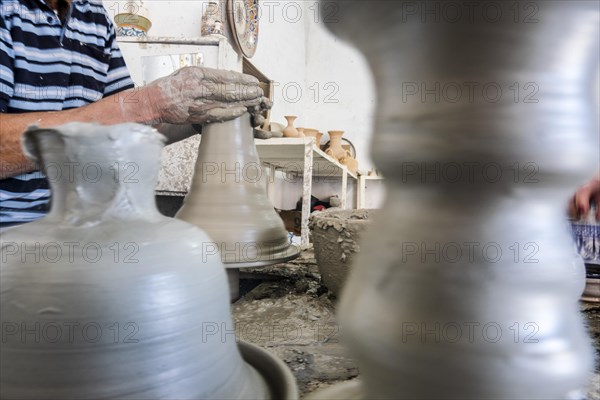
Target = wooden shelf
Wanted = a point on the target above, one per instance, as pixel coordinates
(302, 157)
(288, 154)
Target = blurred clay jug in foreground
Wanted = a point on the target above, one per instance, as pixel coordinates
(105, 297)
(462, 287)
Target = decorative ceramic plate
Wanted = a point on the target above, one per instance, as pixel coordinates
(243, 20)
(132, 24)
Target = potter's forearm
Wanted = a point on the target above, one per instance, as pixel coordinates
(128, 106)
(191, 95)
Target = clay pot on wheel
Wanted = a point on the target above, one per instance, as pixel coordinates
(119, 297)
(335, 236)
(312, 133)
(228, 199)
(319, 139)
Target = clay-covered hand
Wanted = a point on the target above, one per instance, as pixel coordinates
(585, 195)
(198, 95)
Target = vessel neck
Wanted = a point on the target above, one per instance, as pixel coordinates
(98, 172)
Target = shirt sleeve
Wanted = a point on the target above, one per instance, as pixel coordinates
(118, 78)
(7, 57)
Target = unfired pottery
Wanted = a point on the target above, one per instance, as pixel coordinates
(350, 162)
(319, 138)
(107, 298)
(335, 148)
(335, 236)
(276, 129)
(312, 133)
(423, 320)
(290, 130)
(300, 132)
(228, 200)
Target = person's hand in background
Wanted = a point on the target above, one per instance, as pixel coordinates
(587, 194)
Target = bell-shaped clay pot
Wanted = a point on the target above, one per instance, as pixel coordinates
(290, 130)
(107, 298)
(228, 199)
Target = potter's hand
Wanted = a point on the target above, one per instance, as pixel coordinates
(585, 195)
(256, 112)
(197, 95)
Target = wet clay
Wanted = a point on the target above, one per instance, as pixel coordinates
(335, 235)
(228, 198)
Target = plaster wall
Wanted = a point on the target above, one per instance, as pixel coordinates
(323, 81)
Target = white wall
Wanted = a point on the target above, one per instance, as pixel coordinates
(323, 81)
(346, 99)
(281, 55)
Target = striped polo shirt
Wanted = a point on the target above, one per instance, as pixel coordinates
(46, 65)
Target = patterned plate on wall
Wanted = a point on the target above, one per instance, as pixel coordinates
(243, 20)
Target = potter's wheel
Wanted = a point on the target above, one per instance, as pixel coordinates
(233, 268)
(289, 253)
(281, 382)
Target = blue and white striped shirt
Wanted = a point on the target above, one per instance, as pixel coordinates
(46, 65)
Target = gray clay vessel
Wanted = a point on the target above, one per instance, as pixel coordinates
(228, 199)
(107, 298)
